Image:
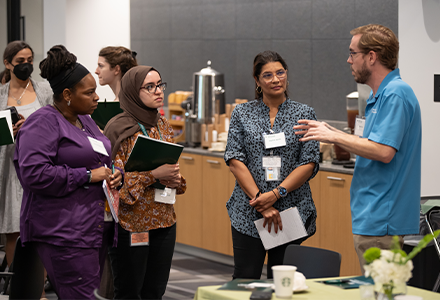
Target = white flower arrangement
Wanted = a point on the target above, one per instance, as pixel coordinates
(392, 268)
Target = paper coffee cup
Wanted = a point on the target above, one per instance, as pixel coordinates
(283, 279)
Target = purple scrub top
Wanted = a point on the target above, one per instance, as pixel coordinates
(51, 158)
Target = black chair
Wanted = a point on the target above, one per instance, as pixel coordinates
(432, 219)
(26, 272)
(98, 296)
(313, 262)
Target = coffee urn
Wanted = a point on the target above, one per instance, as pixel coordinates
(208, 100)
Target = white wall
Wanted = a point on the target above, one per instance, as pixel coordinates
(419, 60)
(85, 27)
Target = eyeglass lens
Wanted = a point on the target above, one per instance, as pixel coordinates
(269, 76)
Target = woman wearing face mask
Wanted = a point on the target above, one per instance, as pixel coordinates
(113, 63)
(142, 271)
(27, 96)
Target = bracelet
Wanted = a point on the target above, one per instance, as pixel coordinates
(275, 194)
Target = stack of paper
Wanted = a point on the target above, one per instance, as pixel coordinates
(113, 199)
(293, 229)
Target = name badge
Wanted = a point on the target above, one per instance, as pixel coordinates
(359, 126)
(271, 162)
(139, 239)
(167, 195)
(98, 146)
(274, 140)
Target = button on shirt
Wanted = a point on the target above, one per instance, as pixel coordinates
(385, 198)
(245, 143)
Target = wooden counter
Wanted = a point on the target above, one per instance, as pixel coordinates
(203, 221)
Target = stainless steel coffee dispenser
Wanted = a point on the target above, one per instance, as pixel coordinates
(208, 99)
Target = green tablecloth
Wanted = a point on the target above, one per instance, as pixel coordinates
(315, 291)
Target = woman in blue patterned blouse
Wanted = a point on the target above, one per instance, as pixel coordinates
(271, 167)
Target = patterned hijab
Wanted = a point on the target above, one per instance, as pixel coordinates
(126, 124)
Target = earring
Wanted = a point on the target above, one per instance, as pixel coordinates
(287, 82)
(68, 103)
(259, 90)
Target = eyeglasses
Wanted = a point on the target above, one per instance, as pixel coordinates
(268, 77)
(353, 53)
(151, 88)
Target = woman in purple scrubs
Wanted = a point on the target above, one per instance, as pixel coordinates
(61, 160)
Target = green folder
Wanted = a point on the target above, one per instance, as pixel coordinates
(5, 133)
(350, 282)
(148, 154)
(105, 111)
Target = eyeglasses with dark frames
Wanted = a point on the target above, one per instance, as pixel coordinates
(354, 53)
(151, 88)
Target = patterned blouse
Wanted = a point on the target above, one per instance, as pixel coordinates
(138, 211)
(245, 143)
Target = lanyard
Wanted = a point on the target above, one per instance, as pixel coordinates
(144, 131)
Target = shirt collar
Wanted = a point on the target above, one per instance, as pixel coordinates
(395, 74)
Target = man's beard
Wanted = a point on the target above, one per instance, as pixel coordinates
(363, 75)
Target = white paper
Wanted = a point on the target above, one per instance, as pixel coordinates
(7, 114)
(167, 196)
(293, 229)
(113, 201)
(98, 146)
(274, 140)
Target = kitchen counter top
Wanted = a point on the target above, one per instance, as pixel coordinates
(322, 166)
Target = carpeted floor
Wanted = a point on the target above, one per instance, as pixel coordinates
(187, 274)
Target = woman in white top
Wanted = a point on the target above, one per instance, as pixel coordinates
(113, 63)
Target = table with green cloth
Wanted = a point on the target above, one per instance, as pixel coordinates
(315, 291)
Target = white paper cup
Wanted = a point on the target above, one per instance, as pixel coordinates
(283, 279)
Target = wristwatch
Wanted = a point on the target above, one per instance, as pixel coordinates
(89, 174)
(282, 191)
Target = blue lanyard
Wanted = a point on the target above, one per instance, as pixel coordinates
(144, 131)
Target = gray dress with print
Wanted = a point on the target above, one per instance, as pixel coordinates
(11, 192)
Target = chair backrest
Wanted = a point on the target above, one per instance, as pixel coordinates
(313, 262)
(28, 279)
(98, 296)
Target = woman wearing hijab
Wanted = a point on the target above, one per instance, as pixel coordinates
(147, 229)
(61, 158)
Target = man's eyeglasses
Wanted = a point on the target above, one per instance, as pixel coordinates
(268, 77)
(151, 88)
(353, 53)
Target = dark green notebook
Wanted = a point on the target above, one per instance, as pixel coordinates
(5, 133)
(148, 154)
(242, 284)
(349, 283)
(105, 111)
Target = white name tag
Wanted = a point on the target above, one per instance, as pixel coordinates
(271, 162)
(167, 196)
(274, 140)
(98, 146)
(359, 127)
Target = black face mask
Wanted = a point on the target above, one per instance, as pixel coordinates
(23, 71)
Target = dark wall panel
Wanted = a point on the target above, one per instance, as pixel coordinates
(313, 36)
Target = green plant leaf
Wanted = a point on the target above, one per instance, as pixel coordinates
(371, 254)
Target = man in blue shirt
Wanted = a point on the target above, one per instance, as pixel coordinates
(385, 190)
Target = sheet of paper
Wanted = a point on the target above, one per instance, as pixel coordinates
(293, 229)
(7, 114)
(112, 198)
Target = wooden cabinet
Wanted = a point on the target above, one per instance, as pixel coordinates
(331, 194)
(202, 218)
(188, 206)
(335, 220)
(216, 232)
